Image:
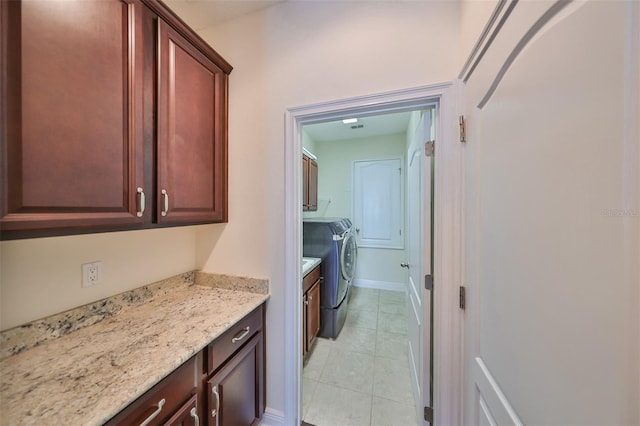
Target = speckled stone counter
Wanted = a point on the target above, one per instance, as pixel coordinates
(85, 365)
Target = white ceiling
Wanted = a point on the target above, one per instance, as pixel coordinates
(199, 14)
(378, 125)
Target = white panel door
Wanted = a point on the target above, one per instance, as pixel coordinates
(551, 182)
(377, 203)
(419, 260)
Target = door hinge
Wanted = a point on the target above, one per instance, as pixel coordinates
(463, 128)
(430, 148)
(463, 297)
(428, 414)
(428, 282)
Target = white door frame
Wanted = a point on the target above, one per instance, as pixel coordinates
(448, 359)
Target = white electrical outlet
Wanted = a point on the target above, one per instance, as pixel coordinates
(91, 273)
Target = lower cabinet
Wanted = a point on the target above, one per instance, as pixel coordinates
(235, 374)
(234, 394)
(310, 309)
(169, 402)
(221, 385)
(312, 313)
(186, 415)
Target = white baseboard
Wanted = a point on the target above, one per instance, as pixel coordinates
(272, 417)
(380, 285)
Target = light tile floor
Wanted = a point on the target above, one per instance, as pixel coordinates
(362, 378)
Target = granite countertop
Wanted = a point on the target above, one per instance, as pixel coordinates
(308, 263)
(86, 365)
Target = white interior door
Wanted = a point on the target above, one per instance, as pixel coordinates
(377, 203)
(551, 323)
(419, 259)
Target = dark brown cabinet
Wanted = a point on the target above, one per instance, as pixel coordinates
(187, 415)
(311, 309)
(191, 134)
(122, 129)
(309, 184)
(235, 381)
(71, 138)
(172, 401)
(221, 385)
(233, 392)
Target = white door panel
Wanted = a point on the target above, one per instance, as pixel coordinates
(551, 324)
(484, 414)
(492, 401)
(377, 203)
(419, 258)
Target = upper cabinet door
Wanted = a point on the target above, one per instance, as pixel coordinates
(313, 185)
(305, 182)
(192, 134)
(71, 138)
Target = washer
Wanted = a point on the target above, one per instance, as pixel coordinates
(332, 240)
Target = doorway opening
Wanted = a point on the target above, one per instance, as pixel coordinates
(373, 367)
(437, 98)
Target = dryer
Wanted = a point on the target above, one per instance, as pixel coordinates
(332, 240)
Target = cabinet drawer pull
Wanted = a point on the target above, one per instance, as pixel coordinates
(154, 414)
(241, 335)
(142, 202)
(214, 412)
(165, 199)
(194, 414)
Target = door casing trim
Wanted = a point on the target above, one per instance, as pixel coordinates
(448, 351)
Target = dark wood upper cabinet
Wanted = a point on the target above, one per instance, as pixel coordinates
(313, 185)
(113, 116)
(305, 182)
(191, 134)
(309, 184)
(72, 123)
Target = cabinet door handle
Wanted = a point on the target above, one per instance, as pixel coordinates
(241, 335)
(154, 414)
(165, 199)
(194, 414)
(142, 202)
(214, 412)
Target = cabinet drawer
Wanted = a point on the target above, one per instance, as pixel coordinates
(175, 390)
(233, 339)
(310, 279)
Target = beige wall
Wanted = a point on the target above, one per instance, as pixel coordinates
(474, 15)
(42, 276)
(300, 53)
(292, 54)
(335, 167)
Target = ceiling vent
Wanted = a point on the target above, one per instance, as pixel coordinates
(357, 126)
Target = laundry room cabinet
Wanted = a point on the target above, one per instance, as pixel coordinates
(235, 391)
(309, 184)
(310, 309)
(114, 117)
